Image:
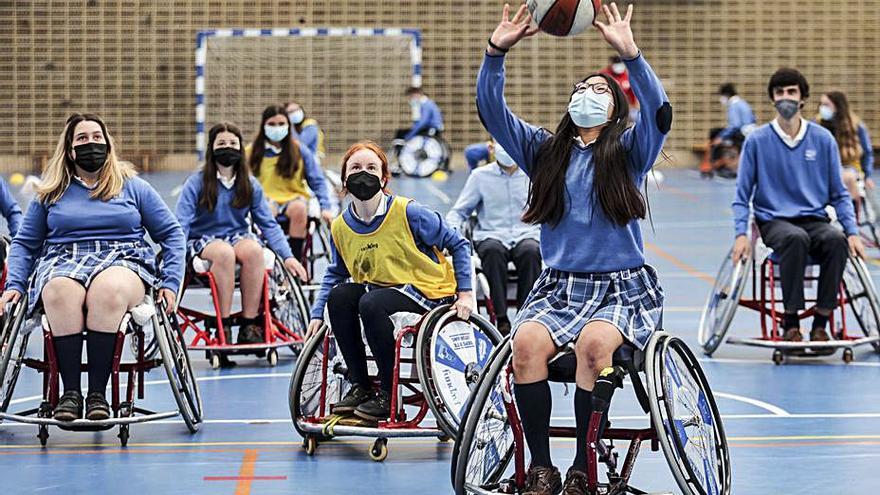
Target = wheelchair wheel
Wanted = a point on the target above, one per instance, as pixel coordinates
(422, 155)
(287, 300)
(861, 295)
(13, 346)
(318, 381)
(451, 355)
(175, 359)
(722, 302)
(686, 418)
(485, 442)
(318, 246)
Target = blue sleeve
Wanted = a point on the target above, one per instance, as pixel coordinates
(467, 202)
(315, 178)
(867, 151)
(429, 228)
(520, 139)
(164, 230)
(733, 123)
(266, 222)
(745, 186)
(838, 194)
(475, 153)
(188, 204)
(424, 122)
(335, 274)
(645, 139)
(309, 137)
(26, 246)
(10, 209)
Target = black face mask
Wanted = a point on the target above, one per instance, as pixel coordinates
(227, 157)
(363, 185)
(91, 156)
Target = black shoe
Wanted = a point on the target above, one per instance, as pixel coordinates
(542, 481)
(726, 173)
(70, 406)
(377, 409)
(356, 396)
(576, 482)
(97, 408)
(503, 326)
(250, 334)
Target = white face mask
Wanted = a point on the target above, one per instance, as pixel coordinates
(724, 100)
(589, 109)
(296, 116)
(275, 132)
(826, 112)
(618, 68)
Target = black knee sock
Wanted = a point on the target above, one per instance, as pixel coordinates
(68, 355)
(296, 245)
(534, 402)
(790, 320)
(100, 347)
(583, 409)
(819, 321)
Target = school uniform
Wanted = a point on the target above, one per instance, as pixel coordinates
(9, 209)
(282, 190)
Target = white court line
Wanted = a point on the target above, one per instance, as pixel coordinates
(777, 411)
(437, 192)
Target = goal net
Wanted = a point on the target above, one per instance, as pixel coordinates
(351, 80)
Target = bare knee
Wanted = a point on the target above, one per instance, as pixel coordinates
(297, 211)
(62, 293)
(249, 252)
(221, 255)
(531, 350)
(107, 298)
(593, 352)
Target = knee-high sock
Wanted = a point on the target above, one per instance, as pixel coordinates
(68, 355)
(100, 347)
(534, 402)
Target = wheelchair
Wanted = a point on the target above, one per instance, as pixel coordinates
(283, 310)
(438, 359)
(684, 423)
(316, 248)
(857, 305)
(147, 325)
(423, 154)
(866, 216)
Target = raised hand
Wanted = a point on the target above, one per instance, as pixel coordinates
(617, 31)
(510, 31)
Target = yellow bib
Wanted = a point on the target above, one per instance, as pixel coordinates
(277, 188)
(321, 151)
(389, 256)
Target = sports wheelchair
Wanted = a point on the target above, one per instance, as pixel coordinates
(857, 304)
(283, 310)
(438, 359)
(684, 423)
(156, 341)
(423, 154)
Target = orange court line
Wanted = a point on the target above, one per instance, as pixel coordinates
(679, 263)
(246, 473)
(678, 192)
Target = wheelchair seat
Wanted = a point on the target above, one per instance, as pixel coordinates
(563, 367)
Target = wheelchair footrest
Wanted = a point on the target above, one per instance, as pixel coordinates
(785, 345)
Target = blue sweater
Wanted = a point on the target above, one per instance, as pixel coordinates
(429, 230)
(585, 240)
(10, 209)
(430, 117)
(76, 217)
(225, 219)
(867, 150)
(309, 137)
(739, 115)
(783, 182)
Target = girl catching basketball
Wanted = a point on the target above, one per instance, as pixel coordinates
(597, 291)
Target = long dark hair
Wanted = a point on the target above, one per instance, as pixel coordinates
(844, 126)
(243, 190)
(613, 184)
(290, 158)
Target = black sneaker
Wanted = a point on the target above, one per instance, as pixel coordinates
(356, 396)
(97, 408)
(70, 406)
(377, 409)
(250, 334)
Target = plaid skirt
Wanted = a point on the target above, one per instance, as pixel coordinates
(195, 246)
(565, 302)
(82, 261)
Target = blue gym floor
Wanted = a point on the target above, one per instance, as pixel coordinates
(810, 425)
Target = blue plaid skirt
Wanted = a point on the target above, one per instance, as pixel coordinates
(565, 302)
(195, 246)
(82, 261)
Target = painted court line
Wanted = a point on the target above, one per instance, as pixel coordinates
(679, 263)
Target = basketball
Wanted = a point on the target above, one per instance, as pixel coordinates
(564, 17)
(16, 179)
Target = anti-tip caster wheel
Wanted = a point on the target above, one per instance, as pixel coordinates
(310, 445)
(778, 357)
(215, 361)
(847, 355)
(379, 450)
(123, 435)
(43, 435)
(272, 358)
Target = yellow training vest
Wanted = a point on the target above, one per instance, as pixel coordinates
(389, 256)
(322, 150)
(277, 188)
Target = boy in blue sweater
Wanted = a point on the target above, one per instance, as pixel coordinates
(790, 171)
(727, 141)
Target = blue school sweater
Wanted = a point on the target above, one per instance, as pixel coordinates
(867, 150)
(227, 220)
(739, 115)
(585, 240)
(428, 229)
(430, 117)
(784, 182)
(137, 211)
(10, 209)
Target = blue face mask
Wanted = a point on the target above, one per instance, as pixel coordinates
(275, 132)
(589, 109)
(502, 157)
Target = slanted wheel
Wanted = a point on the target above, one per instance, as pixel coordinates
(123, 435)
(13, 347)
(178, 368)
(379, 450)
(722, 302)
(778, 357)
(287, 302)
(686, 418)
(485, 443)
(847, 355)
(861, 299)
(310, 445)
(450, 357)
(272, 358)
(318, 380)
